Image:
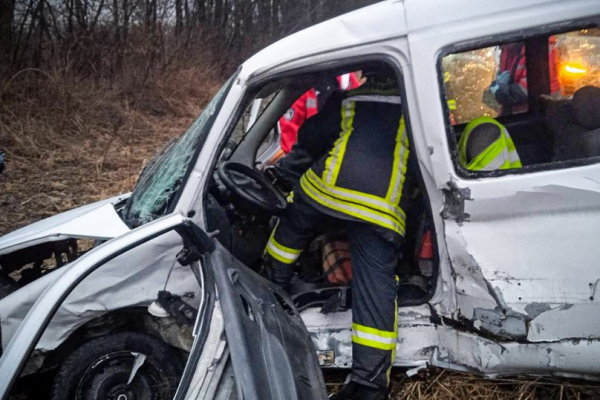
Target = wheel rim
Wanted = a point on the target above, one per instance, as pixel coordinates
(107, 378)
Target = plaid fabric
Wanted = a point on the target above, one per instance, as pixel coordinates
(336, 261)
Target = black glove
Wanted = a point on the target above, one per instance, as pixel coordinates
(278, 179)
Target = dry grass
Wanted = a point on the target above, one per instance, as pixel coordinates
(435, 384)
(69, 142)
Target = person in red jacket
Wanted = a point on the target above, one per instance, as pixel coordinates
(304, 108)
(510, 86)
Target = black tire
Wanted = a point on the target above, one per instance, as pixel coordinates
(100, 369)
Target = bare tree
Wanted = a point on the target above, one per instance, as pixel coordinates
(102, 37)
(7, 8)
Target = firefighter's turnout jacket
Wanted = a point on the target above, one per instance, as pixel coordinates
(359, 178)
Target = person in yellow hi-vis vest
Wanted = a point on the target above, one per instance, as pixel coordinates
(485, 145)
(360, 144)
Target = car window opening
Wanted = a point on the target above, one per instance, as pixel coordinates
(540, 95)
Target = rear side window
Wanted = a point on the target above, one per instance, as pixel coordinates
(524, 103)
(578, 60)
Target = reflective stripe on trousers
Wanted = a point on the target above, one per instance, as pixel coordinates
(371, 337)
(281, 253)
(374, 305)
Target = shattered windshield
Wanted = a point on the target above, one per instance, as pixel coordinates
(160, 181)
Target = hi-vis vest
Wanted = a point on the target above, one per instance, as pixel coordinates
(363, 176)
(501, 154)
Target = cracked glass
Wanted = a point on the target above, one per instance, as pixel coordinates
(164, 176)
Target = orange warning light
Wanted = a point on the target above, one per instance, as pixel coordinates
(575, 69)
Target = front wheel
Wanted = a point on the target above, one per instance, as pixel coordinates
(120, 366)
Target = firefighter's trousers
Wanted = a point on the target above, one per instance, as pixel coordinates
(374, 285)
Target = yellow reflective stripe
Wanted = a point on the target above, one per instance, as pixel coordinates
(282, 253)
(360, 212)
(515, 161)
(375, 98)
(287, 257)
(464, 138)
(501, 154)
(490, 158)
(378, 203)
(373, 343)
(452, 104)
(376, 332)
(289, 250)
(278, 257)
(334, 161)
(401, 152)
(509, 143)
(372, 337)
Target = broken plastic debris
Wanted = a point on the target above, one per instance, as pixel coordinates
(413, 371)
(157, 310)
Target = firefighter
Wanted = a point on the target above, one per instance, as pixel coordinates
(308, 105)
(302, 109)
(510, 86)
(485, 145)
(360, 179)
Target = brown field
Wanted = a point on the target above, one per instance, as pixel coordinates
(71, 144)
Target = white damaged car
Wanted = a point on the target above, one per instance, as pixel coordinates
(499, 273)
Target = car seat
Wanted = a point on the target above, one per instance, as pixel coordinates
(480, 139)
(478, 136)
(575, 125)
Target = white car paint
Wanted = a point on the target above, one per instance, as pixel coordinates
(94, 221)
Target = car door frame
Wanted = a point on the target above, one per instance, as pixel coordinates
(393, 50)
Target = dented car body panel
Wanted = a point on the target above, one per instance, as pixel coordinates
(121, 283)
(95, 221)
(516, 289)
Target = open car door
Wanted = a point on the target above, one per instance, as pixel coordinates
(271, 351)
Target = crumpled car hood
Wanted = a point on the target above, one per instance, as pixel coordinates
(94, 221)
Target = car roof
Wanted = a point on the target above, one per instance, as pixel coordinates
(389, 19)
(370, 24)
(435, 14)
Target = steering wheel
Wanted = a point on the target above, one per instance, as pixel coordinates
(253, 190)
